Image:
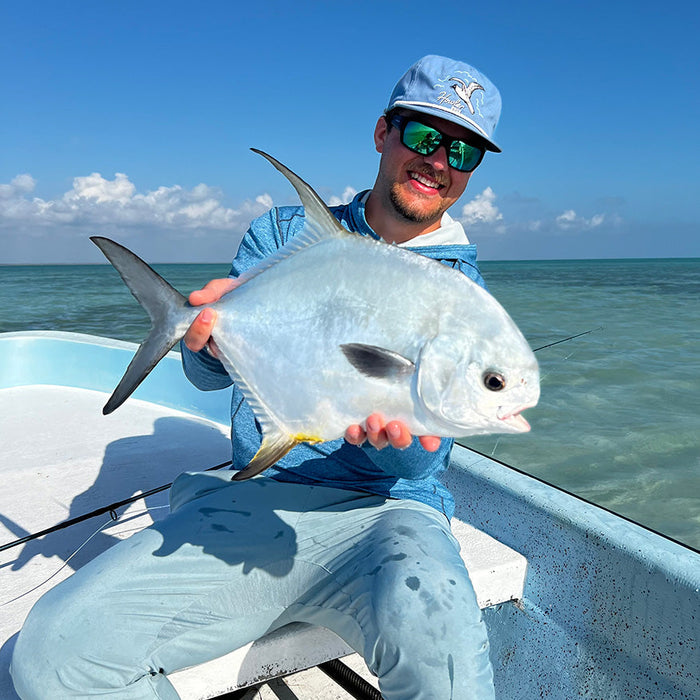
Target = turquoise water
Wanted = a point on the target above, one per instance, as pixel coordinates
(618, 422)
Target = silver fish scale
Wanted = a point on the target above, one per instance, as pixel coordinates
(282, 330)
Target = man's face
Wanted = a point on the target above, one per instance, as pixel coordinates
(416, 188)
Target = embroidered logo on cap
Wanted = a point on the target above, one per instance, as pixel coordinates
(460, 95)
(465, 92)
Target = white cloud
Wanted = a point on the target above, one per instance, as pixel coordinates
(482, 210)
(19, 185)
(95, 199)
(526, 218)
(96, 187)
(348, 194)
(570, 219)
(194, 224)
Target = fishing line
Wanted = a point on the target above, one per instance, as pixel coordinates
(113, 519)
(544, 375)
(549, 345)
(111, 509)
(571, 337)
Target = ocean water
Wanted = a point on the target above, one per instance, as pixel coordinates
(618, 421)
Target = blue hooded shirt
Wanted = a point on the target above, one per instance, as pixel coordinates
(408, 474)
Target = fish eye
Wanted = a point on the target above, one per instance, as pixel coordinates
(494, 381)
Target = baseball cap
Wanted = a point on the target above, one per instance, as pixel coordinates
(451, 90)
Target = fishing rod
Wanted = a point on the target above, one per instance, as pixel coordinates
(111, 509)
(571, 337)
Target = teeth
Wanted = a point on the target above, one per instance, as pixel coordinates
(425, 181)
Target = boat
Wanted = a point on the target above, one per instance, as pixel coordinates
(579, 602)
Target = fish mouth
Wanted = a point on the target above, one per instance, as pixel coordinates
(515, 422)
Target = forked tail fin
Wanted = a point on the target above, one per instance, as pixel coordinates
(170, 312)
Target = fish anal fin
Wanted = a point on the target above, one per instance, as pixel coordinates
(274, 447)
(376, 362)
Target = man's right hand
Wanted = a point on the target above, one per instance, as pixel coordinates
(198, 334)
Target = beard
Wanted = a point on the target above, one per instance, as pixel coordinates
(413, 214)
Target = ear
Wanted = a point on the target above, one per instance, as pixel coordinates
(380, 133)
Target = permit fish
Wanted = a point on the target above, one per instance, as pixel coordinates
(336, 326)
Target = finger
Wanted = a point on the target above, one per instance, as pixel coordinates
(212, 291)
(376, 433)
(398, 434)
(199, 332)
(355, 435)
(430, 443)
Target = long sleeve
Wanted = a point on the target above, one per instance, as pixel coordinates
(412, 463)
(204, 370)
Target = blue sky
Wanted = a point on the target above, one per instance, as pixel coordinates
(134, 120)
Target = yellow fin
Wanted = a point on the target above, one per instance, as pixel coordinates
(274, 447)
(303, 437)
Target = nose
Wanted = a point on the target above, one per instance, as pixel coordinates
(438, 160)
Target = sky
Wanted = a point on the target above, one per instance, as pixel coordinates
(134, 120)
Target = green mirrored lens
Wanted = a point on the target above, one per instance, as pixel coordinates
(421, 139)
(463, 156)
(425, 140)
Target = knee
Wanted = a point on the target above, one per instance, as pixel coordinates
(34, 664)
(429, 638)
(52, 648)
(432, 603)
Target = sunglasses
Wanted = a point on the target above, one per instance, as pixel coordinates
(424, 140)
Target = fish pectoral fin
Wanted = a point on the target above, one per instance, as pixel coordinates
(376, 362)
(274, 447)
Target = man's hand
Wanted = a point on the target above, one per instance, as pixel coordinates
(394, 433)
(199, 333)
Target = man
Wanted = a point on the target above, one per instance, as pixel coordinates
(345, 534)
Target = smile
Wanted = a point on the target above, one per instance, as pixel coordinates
(425, 180)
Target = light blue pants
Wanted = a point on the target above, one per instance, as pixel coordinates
(235, 560)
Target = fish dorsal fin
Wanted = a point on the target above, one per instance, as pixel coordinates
(319, 222)
(275, 445)
(319, 218)
(376, 362)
